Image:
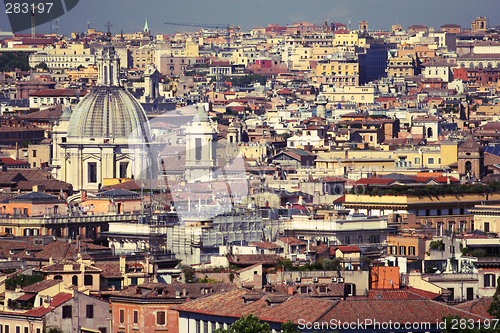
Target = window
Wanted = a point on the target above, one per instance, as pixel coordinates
(402, 250)
(486, 226)
(74, 280)
(136, 317)
(489, 280)
(18, 329)
(34, 153)
(160, 318)
(122, 316)
(7, 328)
(198, 148)
(123, 169)
(197, 326)
(417, 160)
(88, 280)
(92, 172)
(430, 160)
(205, 326)
(90, 311)
(67, 311)
(411, 250)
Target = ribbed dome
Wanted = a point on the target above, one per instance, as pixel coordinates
(109, 112)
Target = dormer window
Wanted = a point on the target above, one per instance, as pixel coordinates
(11, 251)
(206, 291)
(27, 252)
(323, 289)
(303, 290)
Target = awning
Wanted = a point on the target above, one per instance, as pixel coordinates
(83, 329)
(26, 297)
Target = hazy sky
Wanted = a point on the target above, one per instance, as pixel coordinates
(129, 16)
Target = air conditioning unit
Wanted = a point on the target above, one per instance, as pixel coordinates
(334, 279)
(297, 279)
(315, 280)
(340, 280)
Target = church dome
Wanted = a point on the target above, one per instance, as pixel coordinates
(109, 112)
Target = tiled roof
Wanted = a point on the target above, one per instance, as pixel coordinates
(313, 289)
(347, 248)
(59, 267)
(51, 114)
(265, 245)
(10, 161)
(58, 92)
(470, 144)
(401, 311)
(375, 181)
(24, 180)
(291, 241)
(250, 259)
(318, 249)
(110, 269)
(55, 301)
(233, 304)
(42, 285)
(426, 118)
(396, 294)
(477, 306)
(152, 290)
(57, 250)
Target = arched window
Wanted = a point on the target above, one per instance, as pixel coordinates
(429, 132)
(74, 280)
(471, 65)
(58, 277)
(468, 167)
(480, 65)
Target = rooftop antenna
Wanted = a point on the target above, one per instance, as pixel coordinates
(88, 25)
(33, 21)
(56, 26)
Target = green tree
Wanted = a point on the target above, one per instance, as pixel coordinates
(289, 327)
(248, 324)
(494, 308)
(11, 61)
(332, 264)
(43, 66)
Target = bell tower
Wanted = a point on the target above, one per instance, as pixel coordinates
(471, 159)
(108, 63)
(201, 148)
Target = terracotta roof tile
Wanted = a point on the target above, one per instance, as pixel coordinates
(40, 286)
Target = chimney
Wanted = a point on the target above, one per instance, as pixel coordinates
(177, 292)
(123, 261)
(184, 292)
(448, 180)
(51, 262)
(290, 290)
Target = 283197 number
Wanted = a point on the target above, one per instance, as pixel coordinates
(24, 8)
